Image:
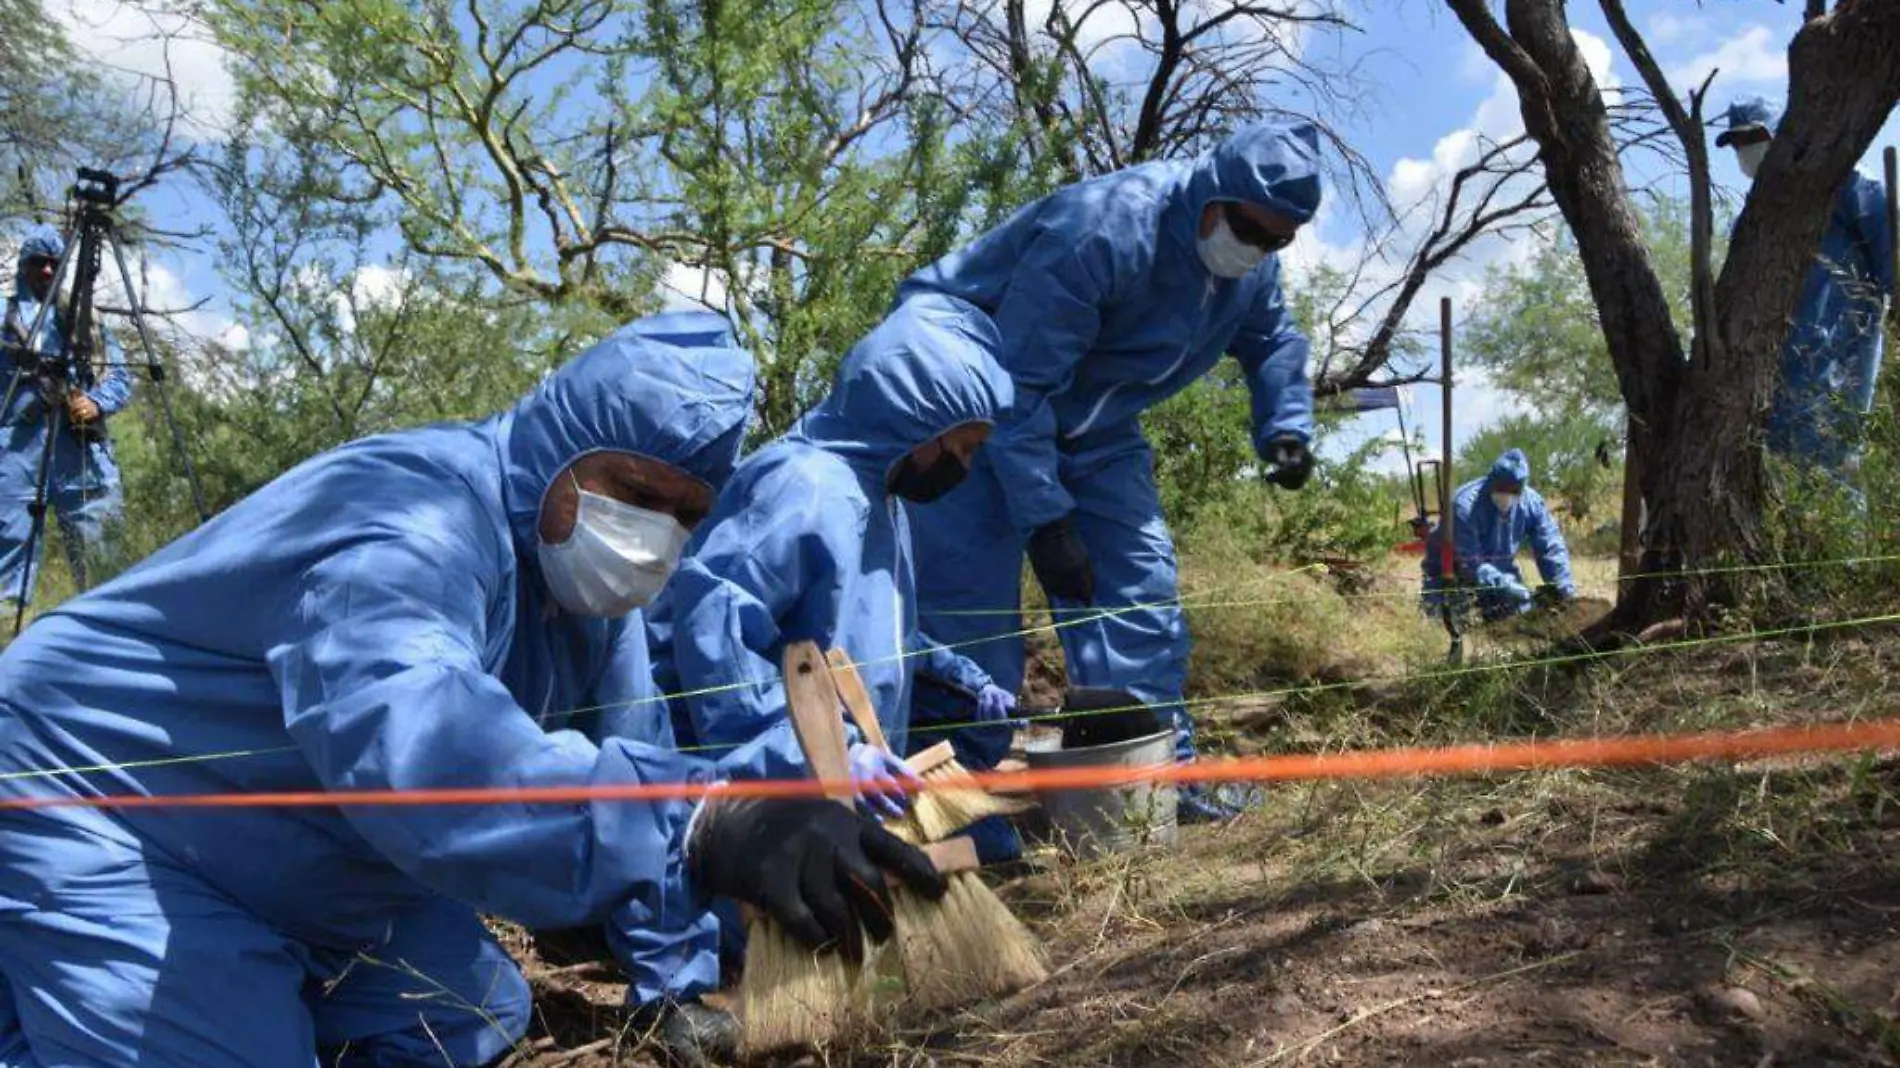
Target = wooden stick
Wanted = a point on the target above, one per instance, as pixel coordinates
(857, 699)
(814, 712)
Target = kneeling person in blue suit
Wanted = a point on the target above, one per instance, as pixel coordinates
(409, 611)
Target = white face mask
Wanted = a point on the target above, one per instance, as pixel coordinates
(1749, 157)
(615, 561)
(1224, 254)
(1504, 502)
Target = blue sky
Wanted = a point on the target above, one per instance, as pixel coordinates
(1431, 92)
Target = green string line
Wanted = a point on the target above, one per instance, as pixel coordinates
(1245, 695)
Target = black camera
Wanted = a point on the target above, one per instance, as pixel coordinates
(96, 187)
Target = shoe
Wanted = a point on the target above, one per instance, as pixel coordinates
(1198, 804)
(690, 1034)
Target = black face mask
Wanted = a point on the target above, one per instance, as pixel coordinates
(921, 484)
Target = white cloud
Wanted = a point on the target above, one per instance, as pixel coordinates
(138, 40)
(1667, 29)
(165, 291)
(1754, 56)
(1416, 186)
(690, 288)
(1100, 23)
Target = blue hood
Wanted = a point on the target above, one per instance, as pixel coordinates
(1513, 466)
(687, 329)
(1748, 112)
(632, 393)
(929, 366)
(1274, 165)
(41, 242)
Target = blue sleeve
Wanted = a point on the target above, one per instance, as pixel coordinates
(1048, 317)
(1470, 548)
(383, 687)
(627, 696)
(1549, 549)
(113, 391)
(781, 554)
(1272, 352)
(932, 659)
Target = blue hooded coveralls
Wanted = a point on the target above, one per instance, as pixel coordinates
(1830, 363)
(82, 490)
(372, 619)
(1105, 310)
(1488, 540)
(806, 544)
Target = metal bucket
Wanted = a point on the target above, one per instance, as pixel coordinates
(1110, 819)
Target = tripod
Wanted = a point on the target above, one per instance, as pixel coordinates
(53, 371)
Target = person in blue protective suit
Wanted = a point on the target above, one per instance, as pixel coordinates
(82, 487)
(1112, 295)
(810, 541)
(1493, 517)
(1830, 362)
(410, 611)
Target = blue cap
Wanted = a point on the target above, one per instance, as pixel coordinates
(1746, 116)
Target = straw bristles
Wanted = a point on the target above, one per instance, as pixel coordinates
(942, 811)
(791, 996)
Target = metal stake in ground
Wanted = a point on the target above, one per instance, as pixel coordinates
(1448, 489)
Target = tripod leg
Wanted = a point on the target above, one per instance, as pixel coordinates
(156, 371)
(37, 509)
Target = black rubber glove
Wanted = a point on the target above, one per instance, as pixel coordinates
(1061, 561)
(814, 865)
(1291, 460)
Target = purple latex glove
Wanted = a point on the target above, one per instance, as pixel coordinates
(884, 781)
(996, 705)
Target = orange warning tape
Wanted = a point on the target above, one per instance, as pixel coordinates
(1365, 764)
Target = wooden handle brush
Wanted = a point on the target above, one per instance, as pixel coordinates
(938, 813)
(967, 946)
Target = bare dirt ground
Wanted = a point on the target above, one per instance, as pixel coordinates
(1695, 916)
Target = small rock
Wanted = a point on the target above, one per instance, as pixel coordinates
(1722, 1002)
(1493, 818)
(1667, 926)
(1550, 936)
(1363, 928)
(1595, 882)
(1287, 1005)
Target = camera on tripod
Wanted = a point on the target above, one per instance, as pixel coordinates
(97, 187)
(57, 362)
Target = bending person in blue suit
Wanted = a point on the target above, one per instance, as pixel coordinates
(82, 489)
(410, 611)
(1112, 295)
(810, 542)
(1494, 517)
(1831, 360)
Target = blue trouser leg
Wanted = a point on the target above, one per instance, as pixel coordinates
(83, 495)
(1135, 636)
(89, 507)
(13, 1048)
(969, 595)
(440, 991)
(119, 962)
(19, 470)
(970, 564)
(15, 524)
(666, 961)
(117, 959)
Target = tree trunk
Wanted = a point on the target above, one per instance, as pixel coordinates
(1693, 426)
(1710, 491)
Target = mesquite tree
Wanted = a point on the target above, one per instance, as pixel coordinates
(1695, 416)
